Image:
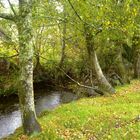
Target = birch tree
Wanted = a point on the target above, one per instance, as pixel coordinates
(23, 20)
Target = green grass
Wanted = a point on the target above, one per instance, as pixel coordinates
(116, 117)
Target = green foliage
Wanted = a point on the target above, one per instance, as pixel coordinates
(117, 21)
(8, 83)
(114, 27)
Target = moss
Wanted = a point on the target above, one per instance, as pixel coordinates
(31, 124)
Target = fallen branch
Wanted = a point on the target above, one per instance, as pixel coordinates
(76, 82)
(81, 85)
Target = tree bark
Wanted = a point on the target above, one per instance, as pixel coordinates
(26, 93)
(136, 48)
(137, 66)
(123, 73)
(95, 66)
(63, 42)
(23, 21)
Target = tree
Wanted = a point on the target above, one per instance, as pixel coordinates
(136, 48)
(63, 40)
(95, 66)
(91, 29)
(23, 20)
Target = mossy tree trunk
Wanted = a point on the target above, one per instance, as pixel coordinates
(137, 65)
(95, 66)
(63, 55)
(136, 47)
(123, 73)
(23, 20)
(26, 93)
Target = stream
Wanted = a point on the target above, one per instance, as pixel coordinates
(10, 116)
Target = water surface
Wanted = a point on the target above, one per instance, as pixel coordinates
(10, 116)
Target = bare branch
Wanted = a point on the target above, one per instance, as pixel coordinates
(11, 6)
(83, 21)
(81, 85)
(7, 16)
(96, 89)
(76, 13)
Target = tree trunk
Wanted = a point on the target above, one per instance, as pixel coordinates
(63, 42)
(137, 66)
(95, 66)
(26, 93)
(123, 73)
(104, 84)
(136, 56)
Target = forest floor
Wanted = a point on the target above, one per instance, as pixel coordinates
(115, 117)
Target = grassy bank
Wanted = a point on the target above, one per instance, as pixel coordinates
(116, 117)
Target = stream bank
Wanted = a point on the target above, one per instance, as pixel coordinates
(10, 116)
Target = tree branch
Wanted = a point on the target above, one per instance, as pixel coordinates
(84, 22)
(11, 6)
(7, 16)
(81, 85)
(96, 89)
(76, 13)
(15, 55)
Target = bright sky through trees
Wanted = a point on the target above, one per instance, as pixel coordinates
(6, 4)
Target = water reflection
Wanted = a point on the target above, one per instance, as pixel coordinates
(10, 116)
(9, 122)
(47, 102)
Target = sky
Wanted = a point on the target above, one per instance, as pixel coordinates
(6, 4)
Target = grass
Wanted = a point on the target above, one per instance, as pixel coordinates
(115, 117)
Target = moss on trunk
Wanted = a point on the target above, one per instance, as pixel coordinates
(26, 93)
(95, 66)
